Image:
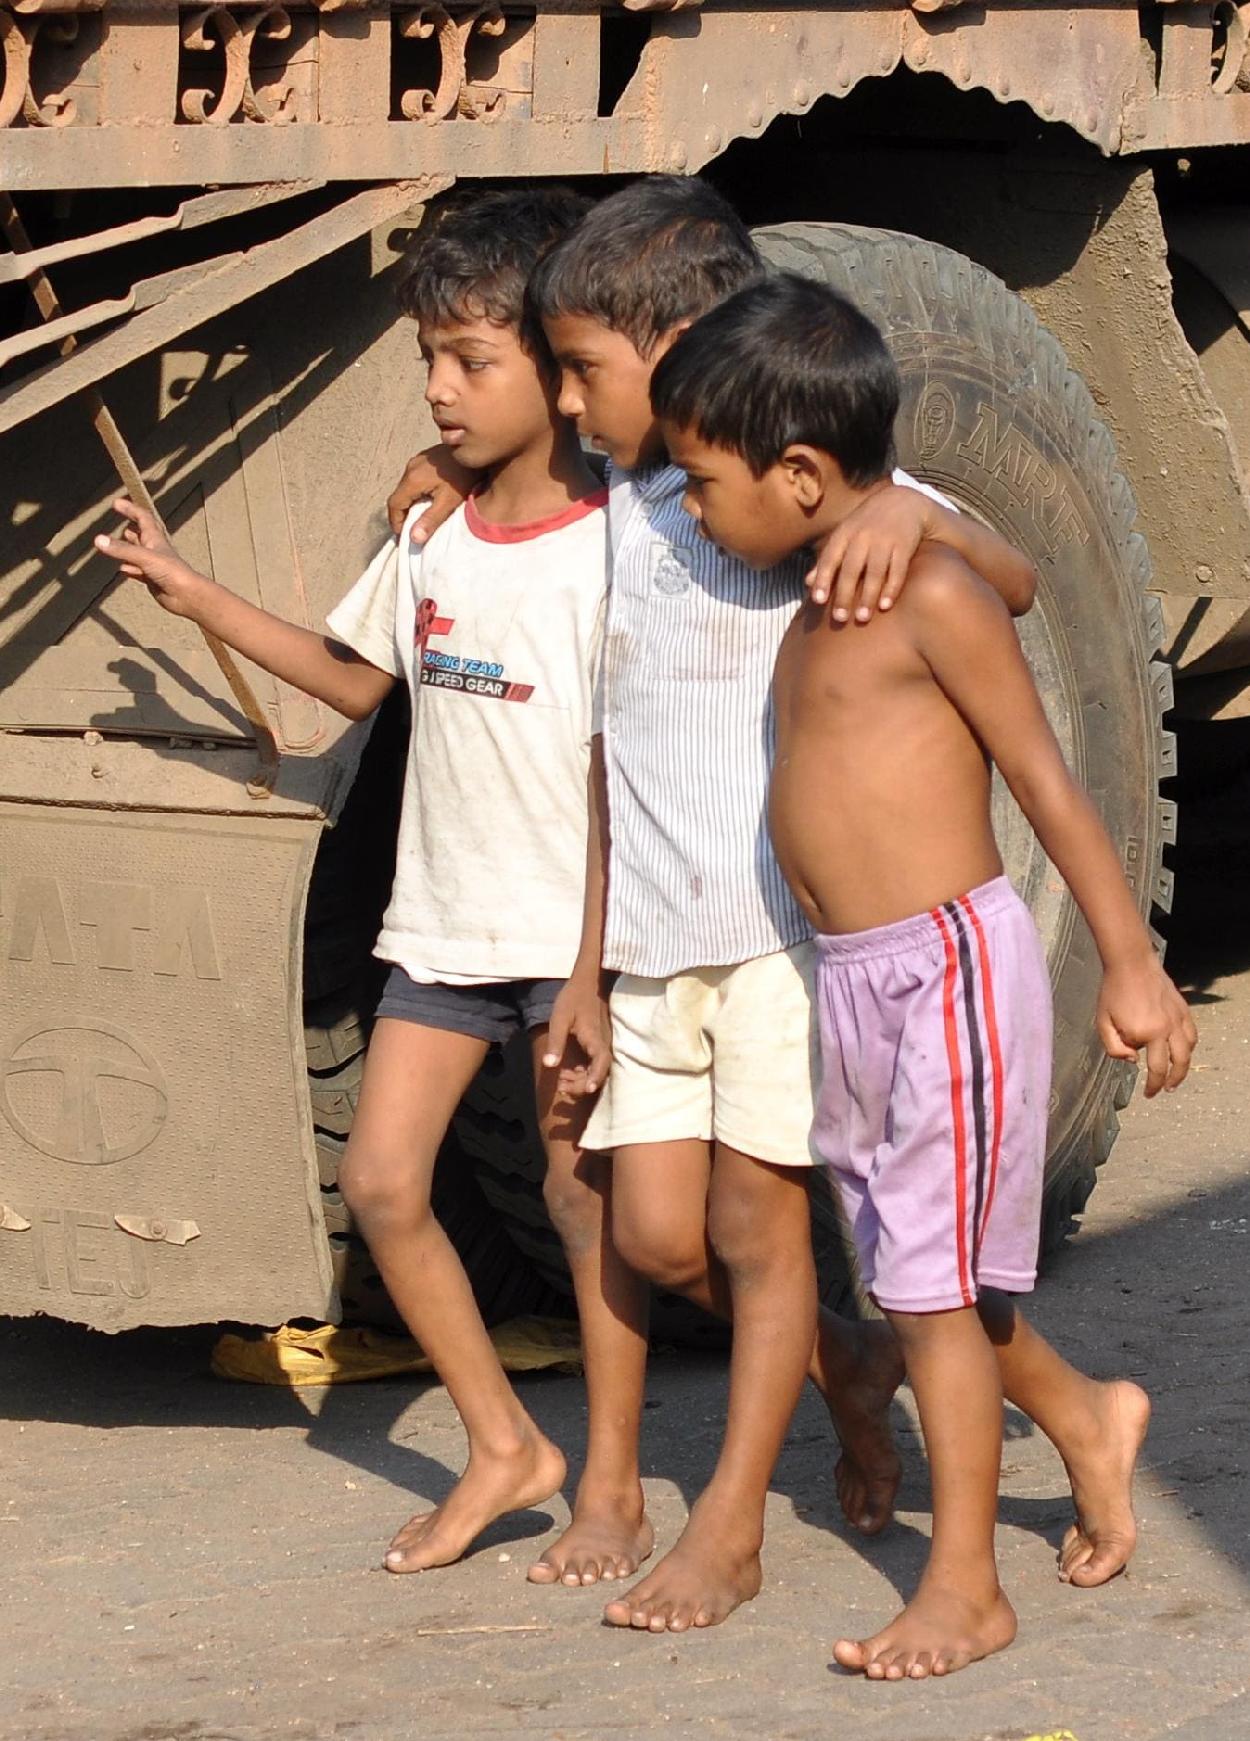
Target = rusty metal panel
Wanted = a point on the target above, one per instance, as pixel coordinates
(1077, 64)
(156, 1144)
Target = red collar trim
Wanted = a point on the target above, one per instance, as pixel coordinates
(490, 533)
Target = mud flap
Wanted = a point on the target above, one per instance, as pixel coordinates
(155, 1130)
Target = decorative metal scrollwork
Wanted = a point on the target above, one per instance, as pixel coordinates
(19, 39)
(237, 36)
(454, 93)
(1232, 65)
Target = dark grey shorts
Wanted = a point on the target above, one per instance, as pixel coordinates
(491, 1012)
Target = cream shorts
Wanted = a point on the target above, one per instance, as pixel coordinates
(731, 1053)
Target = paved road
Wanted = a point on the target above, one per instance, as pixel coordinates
(191, 1561)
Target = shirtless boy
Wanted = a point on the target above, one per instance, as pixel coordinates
(932, 987)
(709, 1100)
(495, 625)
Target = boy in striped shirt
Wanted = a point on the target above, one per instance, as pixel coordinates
(932, 988)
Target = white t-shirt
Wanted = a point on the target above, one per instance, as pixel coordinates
(497, 631)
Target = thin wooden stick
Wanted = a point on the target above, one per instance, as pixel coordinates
(132, 481)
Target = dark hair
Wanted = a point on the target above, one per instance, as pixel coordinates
(785, 361)
(661, 251)
(474, 254)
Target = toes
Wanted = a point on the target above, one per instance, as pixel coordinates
(619, 1613)
(851, 1653)
(545, 1572)
(921, 1666)
(1101, 1566)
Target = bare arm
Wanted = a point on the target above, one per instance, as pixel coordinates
(864, 564)
(311, 662)
(965, 636)
(579, 1022)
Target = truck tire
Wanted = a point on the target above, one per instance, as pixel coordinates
(994, 416)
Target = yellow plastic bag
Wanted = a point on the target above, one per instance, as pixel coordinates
(331, 1354)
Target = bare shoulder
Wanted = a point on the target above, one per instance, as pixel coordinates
(939, 580)
(944, 598)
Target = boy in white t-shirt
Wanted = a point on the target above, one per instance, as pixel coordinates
(495, 625)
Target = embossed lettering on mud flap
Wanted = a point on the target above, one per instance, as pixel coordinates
(152, 1074)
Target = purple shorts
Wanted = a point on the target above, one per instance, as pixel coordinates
(935, 1038)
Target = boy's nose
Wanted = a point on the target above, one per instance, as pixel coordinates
(692, 508)
(438, 387)
(570, 403)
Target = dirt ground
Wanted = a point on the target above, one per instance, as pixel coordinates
(187, 1560)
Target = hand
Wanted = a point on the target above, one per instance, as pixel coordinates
(1139, 1006)
(579, 1037)
(143, 552)
(433, 477)
(868, 555)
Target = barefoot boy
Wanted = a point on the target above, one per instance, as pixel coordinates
(496, 628)
(932, 988)
(710, 1096)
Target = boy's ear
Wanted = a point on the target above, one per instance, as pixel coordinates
(667, 340)
(806, 472)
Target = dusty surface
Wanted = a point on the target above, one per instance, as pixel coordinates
(191, 1561)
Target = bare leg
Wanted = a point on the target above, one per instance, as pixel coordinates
(610, 1535)
(414, 1077)
(759, 1226)
(959, 1614)
(856, 1367)
(1098, 1429)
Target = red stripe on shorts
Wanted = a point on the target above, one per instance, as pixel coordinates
(996, 1057)
(957, 1105)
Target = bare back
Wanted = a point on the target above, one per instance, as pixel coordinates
(879, 805)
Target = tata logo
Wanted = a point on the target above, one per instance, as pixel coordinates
(90, 1095)
(122, 927)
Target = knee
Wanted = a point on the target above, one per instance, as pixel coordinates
(667, 1257)
(575, 1203)
(759, 1235)
(738, 1236)
(379, 1191)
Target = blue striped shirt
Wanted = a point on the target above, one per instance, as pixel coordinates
(690, 642)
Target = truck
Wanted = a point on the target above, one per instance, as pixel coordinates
(205, 210)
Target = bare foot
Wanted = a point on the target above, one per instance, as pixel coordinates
(1100, 1543)
(858, 1392)
(706, 1576)
(489, 1487)
(608, 1538)
(937, 1633)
